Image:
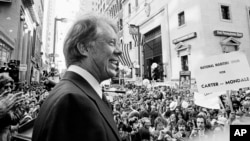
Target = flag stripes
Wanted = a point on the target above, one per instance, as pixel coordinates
(125, 58)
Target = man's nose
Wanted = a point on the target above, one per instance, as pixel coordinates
(118, 51)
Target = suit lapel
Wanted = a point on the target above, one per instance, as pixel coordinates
(91, 93)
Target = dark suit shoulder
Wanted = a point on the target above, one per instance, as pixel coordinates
(67, 114)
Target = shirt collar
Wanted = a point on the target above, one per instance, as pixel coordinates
(87, 76)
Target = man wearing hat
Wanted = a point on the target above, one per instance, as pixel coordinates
(173, 105)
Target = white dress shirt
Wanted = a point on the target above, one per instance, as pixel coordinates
(88, 77)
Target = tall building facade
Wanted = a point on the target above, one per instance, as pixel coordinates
(58, 14)
(173, 34)
(20, 31)
(176, 33)
(48, 32)
(194, 34)
(87, 6)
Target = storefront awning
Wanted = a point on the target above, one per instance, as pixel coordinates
(125, 58)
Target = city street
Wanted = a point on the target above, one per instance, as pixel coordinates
(124, 70)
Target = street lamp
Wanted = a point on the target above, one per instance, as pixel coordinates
(55, 28)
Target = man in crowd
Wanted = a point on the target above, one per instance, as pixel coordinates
(143, 133)
(76, 108)
(201, 131)
(182, 133)
(10, 109)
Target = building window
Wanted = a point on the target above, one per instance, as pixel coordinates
(249, 12)
(184, 63)
(118, 25)
(136, 3)
(130, 45)
(121, 24)
(111, 12)
(129, 9)
(181, 18)
(120, 4)
(117, 8)
(225, 12)
(230, 44)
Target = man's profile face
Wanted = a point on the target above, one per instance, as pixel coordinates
(200, 123)
(105, 52)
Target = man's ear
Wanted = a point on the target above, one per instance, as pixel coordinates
(83, 49)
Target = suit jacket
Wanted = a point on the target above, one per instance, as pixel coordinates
(73, 112)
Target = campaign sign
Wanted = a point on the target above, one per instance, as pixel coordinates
(222, 72)
(239, 132)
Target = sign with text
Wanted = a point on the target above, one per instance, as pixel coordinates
(185, 37)
(239, 132)
(228, 33)
(210, 101)
(223, 72)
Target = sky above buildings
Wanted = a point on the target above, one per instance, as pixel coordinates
(68, 9)
(64, 9)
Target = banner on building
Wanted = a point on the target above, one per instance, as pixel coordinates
(185, 80)
(222, 72)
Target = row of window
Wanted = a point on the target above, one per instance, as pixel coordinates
(129, 7)
(120, 24)
(114, 10)
(225, 12)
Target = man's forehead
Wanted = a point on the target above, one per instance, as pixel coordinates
(200, 119)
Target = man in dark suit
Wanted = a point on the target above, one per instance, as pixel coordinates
(76, 108)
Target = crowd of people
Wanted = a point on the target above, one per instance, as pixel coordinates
(163, 113)
(19, 104)
(77, 109)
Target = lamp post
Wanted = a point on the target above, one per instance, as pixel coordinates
(55, 28)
